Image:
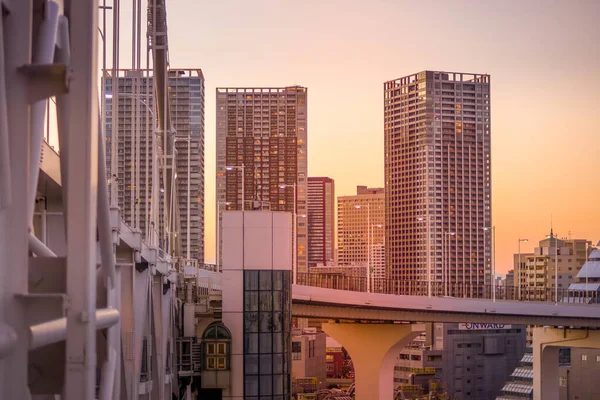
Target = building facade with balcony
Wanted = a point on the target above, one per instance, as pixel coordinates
(262, 134)
(131, 139)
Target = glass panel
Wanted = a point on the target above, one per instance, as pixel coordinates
(266, 322)
(251, 345)
(266, 384)
(286, 384)
(266, 301)
(266, 364)
(222, 333)
(221, 348)
(211, 362)
(251, 322)
(210, 333)
(278, 343)
(221, 363)
(265, 280)
(265, 342)
(251, 280)
(251, 301)
(277, 280)
(277, 363)
(251, 364)
(251, 385)
(277, 322)
(277, 301)
(277, 384)
(210, 348)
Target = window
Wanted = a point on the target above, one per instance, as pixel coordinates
(296, 351)
(584, 357)
(267, 344)
(562, 381)
(217, 341)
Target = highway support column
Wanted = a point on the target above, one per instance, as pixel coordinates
(374, 349)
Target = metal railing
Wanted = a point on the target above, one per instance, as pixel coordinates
(450, 289)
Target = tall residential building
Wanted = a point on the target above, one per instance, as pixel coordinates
(536, 274)
(360, 225)
(321, 220)
(438, 181)
(136, 133)
(262, 134)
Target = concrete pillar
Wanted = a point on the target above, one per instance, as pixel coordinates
(373, 348)
(546, 344)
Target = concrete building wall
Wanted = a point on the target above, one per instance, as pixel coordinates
(582, 381)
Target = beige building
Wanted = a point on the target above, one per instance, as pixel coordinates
(535, 277)
(438, 180)
(262, 135)
(360, 225)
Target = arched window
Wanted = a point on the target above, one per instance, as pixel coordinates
(216, 345)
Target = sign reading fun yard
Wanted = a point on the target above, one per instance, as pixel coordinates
(468, 326)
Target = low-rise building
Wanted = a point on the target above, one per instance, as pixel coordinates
(554, 262)
(308, 360)
(466, 361)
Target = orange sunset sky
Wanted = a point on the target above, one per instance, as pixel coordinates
(543, 58)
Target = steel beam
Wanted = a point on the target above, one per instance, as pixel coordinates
(16, 37)
(81, 109)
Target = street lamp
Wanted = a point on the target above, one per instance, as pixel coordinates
(295, 235)
(446, 264)
(493, 229)
(519, 267)
(421, 219)
(241, 168)
(218, 252)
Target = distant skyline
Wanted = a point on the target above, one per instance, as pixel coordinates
(543, 59)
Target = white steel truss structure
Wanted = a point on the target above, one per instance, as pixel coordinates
(87, 308)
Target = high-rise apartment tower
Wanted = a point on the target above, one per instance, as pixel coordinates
(136, 135)
(321, 220)
(262, 155)
(438, 181)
